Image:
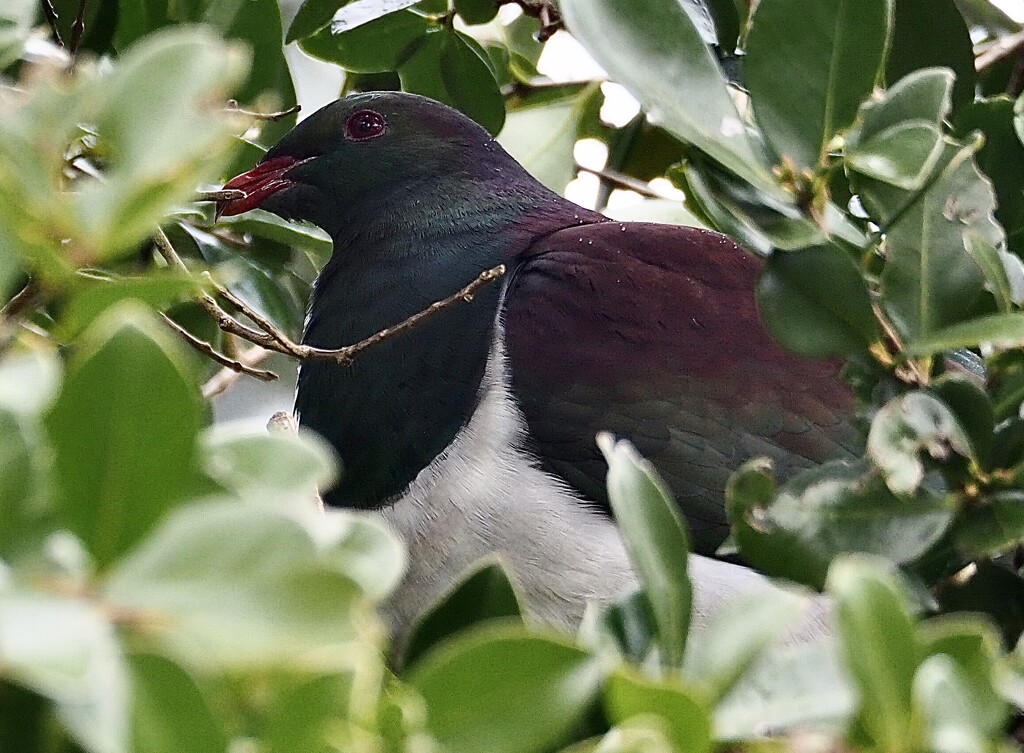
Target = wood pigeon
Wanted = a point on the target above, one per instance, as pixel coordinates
(474, 432)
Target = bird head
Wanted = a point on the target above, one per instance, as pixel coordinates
(363, 145)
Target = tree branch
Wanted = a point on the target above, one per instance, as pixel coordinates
(51, 19)
(77, 28)
(210, 352)
(227, 376)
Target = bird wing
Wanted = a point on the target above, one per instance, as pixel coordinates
(651, 332)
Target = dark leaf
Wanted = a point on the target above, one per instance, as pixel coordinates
(312, 16)
(379, 45)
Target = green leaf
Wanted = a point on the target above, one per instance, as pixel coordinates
(999, 330)
(95, 296)
(448, 66)
(123, 432)
(1004, 274)
(736, 637)
(922, 95)
(65, 649)
(929, 282)
(803, 686)
(211, 568)
(380, 45)
(294, 234)
(16, 20)
(952, 717)
(902, 155)
(275, 468)
(499, 689)
(988, 589)
(624, 628)
(684, 715)
(355, 13)
(932, 33)
(825, 511)
(312, 16)
(169, 712)
(24, 482)
(158, 134)
(652, 48)
(29, 380)
(483, 594)
(808, 68)
(656, 539)
(907, 426)
(971, 406)
(476, 11)
(305, 718)
(879, 647)
(809, 318)
(994, 528)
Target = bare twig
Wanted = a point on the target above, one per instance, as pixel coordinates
(544, 11)
(999, 51)
(51, 18)
(233, 106)
(911, 372)
(621, 180)
(228, 194)
(226, 377)
(77, 28)
(210, 352)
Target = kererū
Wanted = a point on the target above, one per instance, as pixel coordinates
(474, 431)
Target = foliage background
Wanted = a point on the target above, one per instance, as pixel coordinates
(169, 585)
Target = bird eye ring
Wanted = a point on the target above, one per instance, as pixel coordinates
(364, 125)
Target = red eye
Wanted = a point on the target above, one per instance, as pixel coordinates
(363, 125)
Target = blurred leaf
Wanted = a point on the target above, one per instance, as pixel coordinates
(972, 408)
(652, 48)
(158, 132)
(998, 158)
(996, 265)
(16, 20)
(24, 481)
(66, 650)
(684, 715)
(448, 66)
(625, 628)
(983, 13)
(993, 528)
(878, 645)
(303, 720)
(807, 317)
(1005, 380)
(1001, 330)
(275, 468)
(383, 44)
(902, 155)
(210, 568)
(123, 431)
(476, 11)
(728, 17)
(807, 72)
(312, 16)
(823, 512)
(498, 689)
(664, 211)
(483, 594)
(929, 281)
(94, 296)
(656, 540)
(169, 712)
(952, 717)
(932, 33)
(907, 426)
(29, 379)
(736, 637)
(987, 588)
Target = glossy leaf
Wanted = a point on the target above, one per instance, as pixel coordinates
(683, 715)
(966, 398)
(169, 711)
(807, 317)
(484, 594)
(902, 155)
(210, 568)
(312, 16)
(656, 539)
(929, 281)
(808, 68)
(502, 689)
(1004, 273)
(879, 647)
(1004, 330)
(123, 432)
(932, 33)
(838, 507)
(652, 48)
(379, 45)
(355, 13)
(476, 11)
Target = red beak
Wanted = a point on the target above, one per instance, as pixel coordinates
(263, 180)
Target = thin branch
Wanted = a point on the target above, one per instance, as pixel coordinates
(210, 352)
(77, 28)
(621, 180)
(912, 370)
(51, 18)
(226, 377)
(1006, 47)
(233, 106)
(228, 194)
(544, 11)
(265, 324)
